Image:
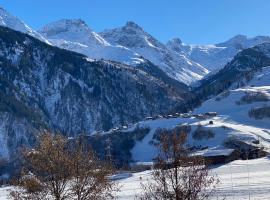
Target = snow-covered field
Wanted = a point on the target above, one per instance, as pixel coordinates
(239, 180)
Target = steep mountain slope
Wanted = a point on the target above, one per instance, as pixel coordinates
(175, 64)
(43, 87)
(75, 35)
(10, 21)
(214, 57)
(238, 71)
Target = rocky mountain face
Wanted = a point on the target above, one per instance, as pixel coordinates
(44, 87)
(215, 57)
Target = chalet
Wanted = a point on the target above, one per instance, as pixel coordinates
(211, 114)
(149, 118)
(219, 156)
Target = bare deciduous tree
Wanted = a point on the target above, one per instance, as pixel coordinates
(57, 170)
(47, 170)
(90, 175)
(28, 188)
(177, 174)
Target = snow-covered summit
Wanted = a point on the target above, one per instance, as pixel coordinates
(76, 35)
(132, 36)
(175, 64)
(132, 24)
(131, 44)
(175, 44)
(74, 30)
(234, 41)
(242, 41)
(10, 21)
(214, 57)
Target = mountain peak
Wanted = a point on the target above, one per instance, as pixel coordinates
(175, 44)
(12, 22)
(131, 35)
(64, 26)
(236, 41)
(74, 22)
(175, 41)
(73, 30)
(242, 41)
(239, 37)
(4, 12)
(131, 24)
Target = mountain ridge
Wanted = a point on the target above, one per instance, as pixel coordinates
(45, 87)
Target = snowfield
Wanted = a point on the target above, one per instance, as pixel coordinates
(239, 180)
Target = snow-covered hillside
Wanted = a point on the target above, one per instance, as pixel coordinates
(10, 21)
(233, 120)
(239, 180)
(214, 57)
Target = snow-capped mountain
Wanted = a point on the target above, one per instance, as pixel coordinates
(10, 21)
(240, 107)
(76, 35)
(45, 87)
(243, 42)
(214, 57)
(175, 64)
(131, 45)
(237, 72)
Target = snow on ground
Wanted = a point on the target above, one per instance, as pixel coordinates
(143, 151)
(232, 120)
(4, 192)
(238, 180)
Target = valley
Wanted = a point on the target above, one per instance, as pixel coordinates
(118, 90)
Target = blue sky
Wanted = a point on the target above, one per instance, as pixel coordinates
(194, 21)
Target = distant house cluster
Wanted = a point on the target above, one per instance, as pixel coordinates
(184, 115)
